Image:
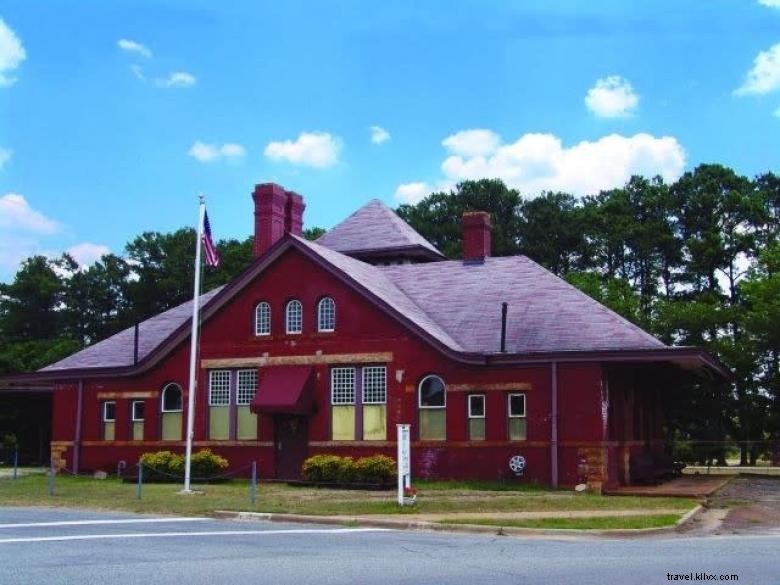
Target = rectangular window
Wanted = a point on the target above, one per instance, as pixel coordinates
(517, 419)
(246, 421)
(476, 403)
(342, 399)
(137, 419)
(374, 404)
(219, 404)
(109, 420)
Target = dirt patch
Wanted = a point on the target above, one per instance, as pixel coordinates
(751, 505)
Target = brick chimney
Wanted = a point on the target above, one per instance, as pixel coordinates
(277, 212)
(477, 232)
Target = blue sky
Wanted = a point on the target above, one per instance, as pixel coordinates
(115, 115)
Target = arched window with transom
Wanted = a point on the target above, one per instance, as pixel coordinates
(293, 317)
(326, 315)
(432, 406)
(171, 415)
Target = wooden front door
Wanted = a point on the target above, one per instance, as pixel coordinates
(291, 439)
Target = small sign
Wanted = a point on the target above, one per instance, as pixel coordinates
(404, 462)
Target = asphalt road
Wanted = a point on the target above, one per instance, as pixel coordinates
(54, 546)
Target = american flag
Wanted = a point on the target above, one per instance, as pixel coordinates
(212, 255)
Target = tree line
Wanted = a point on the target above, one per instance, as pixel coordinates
(695, 262)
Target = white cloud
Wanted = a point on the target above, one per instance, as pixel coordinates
(412, 193)
(765, 74)
(540, 162)
(207, 153)
(379, 134)
(612, 97)
(777, 112)
(474, 142)
(12, 54)
(87, 253)
(5, 156)
(16, 214)
(313, 149)
(134, 47)
(176, 79)
(770, 3)
(138, 72)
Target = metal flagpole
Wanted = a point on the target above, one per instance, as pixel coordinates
(193, 349)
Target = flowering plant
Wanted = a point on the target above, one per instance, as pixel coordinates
(410, 491)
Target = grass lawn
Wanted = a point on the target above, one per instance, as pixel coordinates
(433, 497)
(600, 523)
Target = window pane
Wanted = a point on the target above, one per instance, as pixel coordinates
(108, 431)
(263, 319)
(326, 315)
(517, 429)
(171, 426)
(247, 424)
(432, 392)
(476, 405)
(138, 431)
(138, 410)
(247, 386)
(219, 387)
(343, 423)
(342, 386)
(109, 414)
(374, 422)
(477, 429)
(294, 317)
(219, 422)
(433, 424)
(171, 398)
(517, 405)
(375, 385)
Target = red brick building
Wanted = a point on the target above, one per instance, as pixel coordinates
(323, 347)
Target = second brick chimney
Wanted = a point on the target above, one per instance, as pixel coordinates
(277, 212)
(477, 235)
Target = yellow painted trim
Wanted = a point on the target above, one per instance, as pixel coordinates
(120, 394)
(519, 386)
(61, 443)
(299, 360)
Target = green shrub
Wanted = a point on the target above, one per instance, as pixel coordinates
(375, 469)
(165, 466)
(336, 469)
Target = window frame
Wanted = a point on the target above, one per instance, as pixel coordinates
(363, 385)
(133, 417)
(222, 373)
(104, 413)
(333, 371)
(239, 401)
(165, 391)
(484, 405)
(419, 392)
(509, 405)
(287, 317)
(320, 306)
(266, 306)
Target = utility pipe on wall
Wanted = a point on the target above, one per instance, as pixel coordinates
(77, 438)
(554, 425)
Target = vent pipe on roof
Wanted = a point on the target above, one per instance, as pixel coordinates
(135, 344)
(504, 309)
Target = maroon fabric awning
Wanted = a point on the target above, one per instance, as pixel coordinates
(284, 390)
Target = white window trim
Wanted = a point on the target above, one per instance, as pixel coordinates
(509, 405)
(229, 388)
(363, 384)
(287, 329)
(162, 397)
(354, 386)
(419, 394)
(259, 333)
(105, 413)
(320, 328)
(238, 385)
(484, 405)
(132, 410)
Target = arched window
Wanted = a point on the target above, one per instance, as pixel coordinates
(171, 398)
(263, 319)
(432, 403)
(326, 315)
(171, 417)
(293, 317)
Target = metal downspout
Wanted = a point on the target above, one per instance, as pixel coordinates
(554, 426)
(77, 438)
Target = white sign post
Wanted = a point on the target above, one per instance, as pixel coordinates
(404, 462)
